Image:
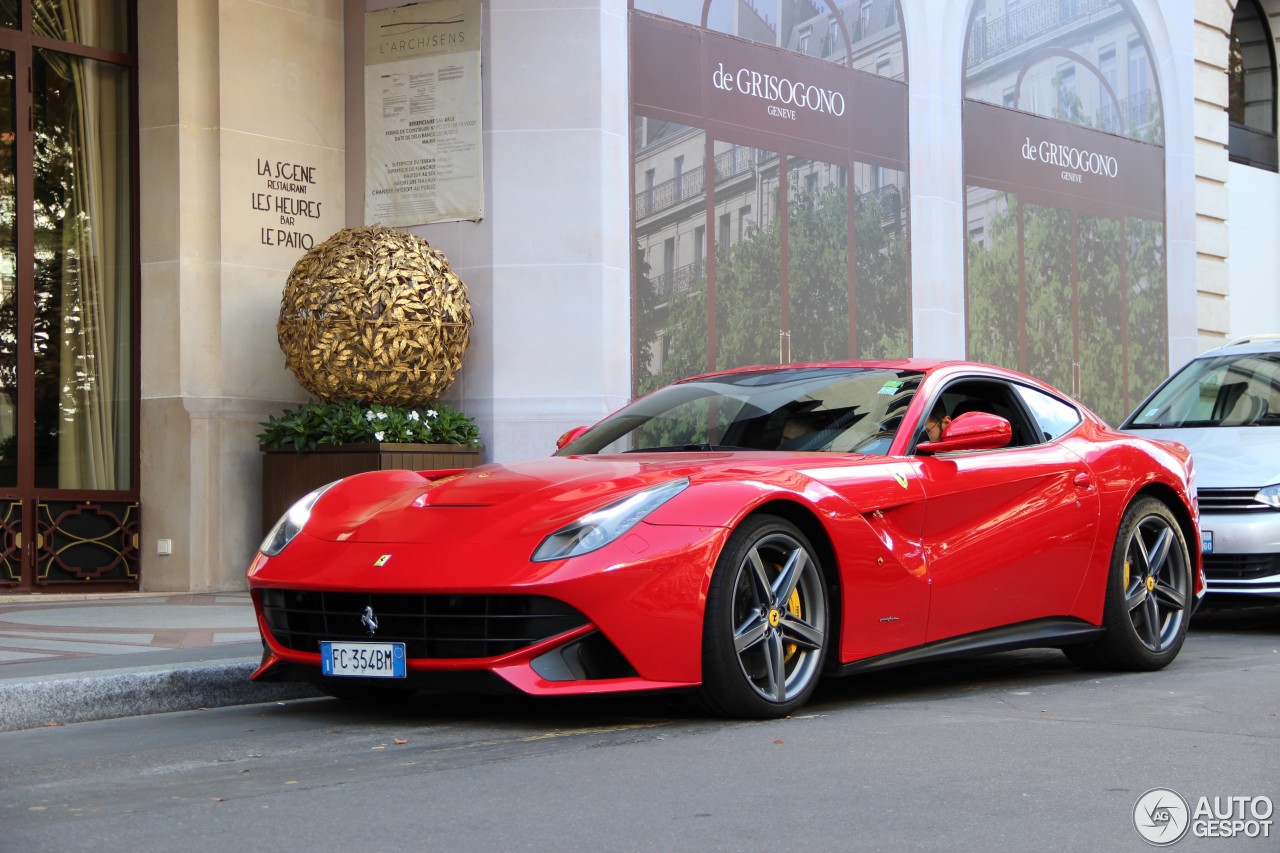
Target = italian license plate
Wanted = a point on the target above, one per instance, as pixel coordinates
(366, 660)
(1206, 541)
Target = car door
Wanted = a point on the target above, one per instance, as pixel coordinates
(1007, 533)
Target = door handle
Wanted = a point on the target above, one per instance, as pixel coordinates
(1083, 480)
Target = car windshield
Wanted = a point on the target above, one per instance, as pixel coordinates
(1222, 391)
(840, 410)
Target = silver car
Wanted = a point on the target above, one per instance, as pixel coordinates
(1225, 406)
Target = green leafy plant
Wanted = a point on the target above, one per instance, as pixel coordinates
(316, 423)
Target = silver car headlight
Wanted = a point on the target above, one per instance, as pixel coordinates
(599, 528)
(292, 522)
(1269, 495)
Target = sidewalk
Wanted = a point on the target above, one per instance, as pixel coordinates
(78, 657)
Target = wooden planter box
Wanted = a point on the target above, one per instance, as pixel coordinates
(288, 474)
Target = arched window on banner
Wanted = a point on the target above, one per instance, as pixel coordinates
(1064, 172)
(769, 147)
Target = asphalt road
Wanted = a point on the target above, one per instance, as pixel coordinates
(1018, 751)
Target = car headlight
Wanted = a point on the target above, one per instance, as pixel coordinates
(599, 528)
(1269, 495)
(290, 524)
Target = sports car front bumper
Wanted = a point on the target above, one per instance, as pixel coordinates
(627, 617)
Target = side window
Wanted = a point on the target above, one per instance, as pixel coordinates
(1055, 418)
(992, 397)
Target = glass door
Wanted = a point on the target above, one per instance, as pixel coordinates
(68, 287)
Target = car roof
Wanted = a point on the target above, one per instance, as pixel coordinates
(923, 365)
(1245, 345)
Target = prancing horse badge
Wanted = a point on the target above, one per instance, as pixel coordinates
(382, 561)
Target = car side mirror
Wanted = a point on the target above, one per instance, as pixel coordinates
(569, 436)
(971, 431)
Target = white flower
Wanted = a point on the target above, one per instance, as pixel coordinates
(413, 416)
(432, 413)
(382, 416)
(377, 436)
(368, 416)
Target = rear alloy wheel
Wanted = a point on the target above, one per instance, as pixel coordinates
(1149, 593)
(765, 630)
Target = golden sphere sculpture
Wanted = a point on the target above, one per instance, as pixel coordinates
(376, 316)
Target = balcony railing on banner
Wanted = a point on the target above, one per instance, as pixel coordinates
(686, 278)
(1136, 111)
(828, 45)
(892, 205)
(679, 280)
(860, 29)
(727, 164)
(1009, 32)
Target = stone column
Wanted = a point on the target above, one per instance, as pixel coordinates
(1213, 28)
(241, 169)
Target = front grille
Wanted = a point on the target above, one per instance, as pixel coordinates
(430, 626)
(1240, 567)
(1231, 500)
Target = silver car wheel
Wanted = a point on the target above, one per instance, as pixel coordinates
(780, 615)
(1155, 583)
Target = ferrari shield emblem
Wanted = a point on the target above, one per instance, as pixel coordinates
(381, 561)
(900, 479)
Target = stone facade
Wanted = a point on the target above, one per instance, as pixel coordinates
(251, 113)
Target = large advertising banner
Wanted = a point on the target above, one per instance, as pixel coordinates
(422, 114)
(769, 171)
(1064, 163)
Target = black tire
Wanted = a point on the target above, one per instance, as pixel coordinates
(1149, 594)
(765, 630)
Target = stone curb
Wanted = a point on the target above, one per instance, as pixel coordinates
(43, 701)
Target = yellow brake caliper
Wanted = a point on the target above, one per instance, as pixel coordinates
(794, 607)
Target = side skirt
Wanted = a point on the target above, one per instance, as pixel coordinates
(1038, 633)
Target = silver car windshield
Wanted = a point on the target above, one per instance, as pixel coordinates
(1223, 391)
(840, 410)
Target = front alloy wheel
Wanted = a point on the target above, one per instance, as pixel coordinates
(765, 630)
(1156, 580)
(1149, 593)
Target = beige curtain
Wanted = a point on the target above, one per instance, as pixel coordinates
(94, 450)
(8, 286)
